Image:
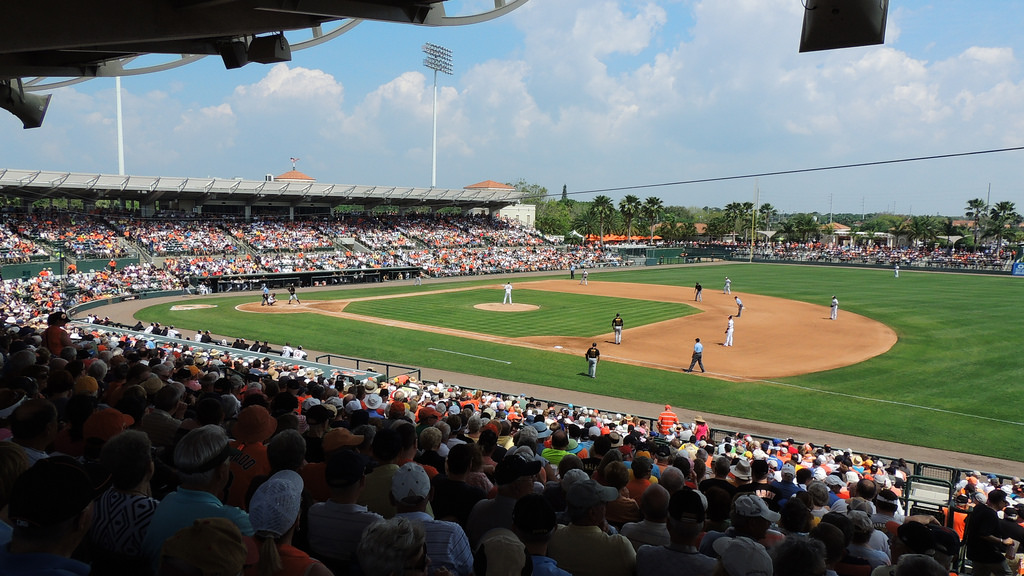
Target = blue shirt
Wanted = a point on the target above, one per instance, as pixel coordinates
(37, 564)
(544, 566)
(179, 510)
(698, 348)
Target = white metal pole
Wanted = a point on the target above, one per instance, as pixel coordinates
(120, 128)
(433, 164)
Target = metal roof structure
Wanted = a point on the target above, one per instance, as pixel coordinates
(72, 39)
(32, 185)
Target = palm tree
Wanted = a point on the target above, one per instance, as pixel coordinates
(1003, 214)
(765, 214)
(733, 211)
(629, 207)
(804, 225)
(603, 209)
(976, 210)
(652, 210)
(923, 228)
(747, 214)
(667, 229)
(902, 229)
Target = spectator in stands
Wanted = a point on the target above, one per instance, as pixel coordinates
(447, 544)
(387, 446)
(275, 516)
(514, 476)
(652, 530)
(123, 513)
(34, 428)
(395, 546)
(751, 519)
(202, 462)
(799, 556)
(534, 523)
(986, 546)
(686, 512)
(208, 546)
(336, 525)
(51, 509)
(454, 499)
(584, 548)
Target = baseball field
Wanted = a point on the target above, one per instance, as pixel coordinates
(928, 359)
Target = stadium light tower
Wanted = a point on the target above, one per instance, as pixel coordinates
(438, 59)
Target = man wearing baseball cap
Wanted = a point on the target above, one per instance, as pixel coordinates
(514, 477)
(584, 547)
(751, 518)
(51, 511)
(447, 544)
(686, 512)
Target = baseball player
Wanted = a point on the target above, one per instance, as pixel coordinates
(697, 289)
(835, 308)
(583, 278)
(617, 328)
(508, 293)
(728, 286)
(728, 331)
(739, 307)
(896, 271)
(292, 296)
(593, 355)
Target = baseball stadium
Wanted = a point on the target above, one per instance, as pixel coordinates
(886, 370)
(284, 376)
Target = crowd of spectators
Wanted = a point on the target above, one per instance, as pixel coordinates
(276, 235)
(887, 256)
(127, 456)
(177, 237)
(15, 248)
(79, 235)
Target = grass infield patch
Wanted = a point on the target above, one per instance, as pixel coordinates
(559, 314)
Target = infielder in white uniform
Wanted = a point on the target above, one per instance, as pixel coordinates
(508, 293)
(835, 308)
(728, 286)
(728, 332)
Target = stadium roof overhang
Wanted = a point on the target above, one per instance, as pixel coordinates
(32, 185)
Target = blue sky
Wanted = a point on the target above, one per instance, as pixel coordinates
(592, 94)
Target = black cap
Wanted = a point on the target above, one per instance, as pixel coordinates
(51, 491)
(346, 467)
(534, 515)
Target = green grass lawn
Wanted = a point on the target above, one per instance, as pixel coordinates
(950, 382)
(559, 314)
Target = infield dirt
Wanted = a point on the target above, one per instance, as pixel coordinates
(774, 337)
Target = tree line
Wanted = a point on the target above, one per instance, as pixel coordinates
(982, 225)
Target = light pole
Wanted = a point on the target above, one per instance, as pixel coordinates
(438, 59)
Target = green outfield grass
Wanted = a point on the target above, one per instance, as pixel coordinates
(559, 314)
(950, 382)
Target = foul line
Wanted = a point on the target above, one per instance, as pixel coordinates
(470, 355)
(884, 401)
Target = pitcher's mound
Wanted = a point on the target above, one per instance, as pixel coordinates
(495, 307)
